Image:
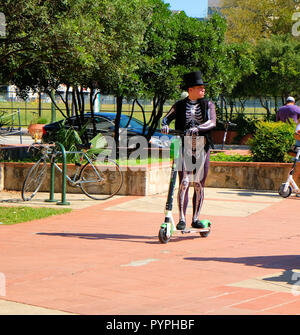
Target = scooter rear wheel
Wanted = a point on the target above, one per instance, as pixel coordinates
(162, 236)
(283, 193)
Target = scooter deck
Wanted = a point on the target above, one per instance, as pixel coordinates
(192, 230)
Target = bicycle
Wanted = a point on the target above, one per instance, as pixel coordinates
(99, 177)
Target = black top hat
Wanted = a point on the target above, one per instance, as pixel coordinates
(193, 79)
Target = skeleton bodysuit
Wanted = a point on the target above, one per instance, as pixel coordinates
(195, 155)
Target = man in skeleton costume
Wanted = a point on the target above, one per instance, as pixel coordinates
(196, 117)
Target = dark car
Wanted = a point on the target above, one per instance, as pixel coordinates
(105, 124)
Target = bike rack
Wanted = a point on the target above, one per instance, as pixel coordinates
(52, 179)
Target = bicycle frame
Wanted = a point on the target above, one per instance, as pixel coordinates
(74, 182)
(50, 156)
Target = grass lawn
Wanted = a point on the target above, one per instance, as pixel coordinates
(12, 215)
(29, 111)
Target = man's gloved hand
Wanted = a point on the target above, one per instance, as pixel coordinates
(193, 131)
(165, 129)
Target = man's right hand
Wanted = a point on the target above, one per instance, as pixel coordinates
(165, 129)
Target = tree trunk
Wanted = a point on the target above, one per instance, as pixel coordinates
(117, 121)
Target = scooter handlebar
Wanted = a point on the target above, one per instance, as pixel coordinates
(176, 132)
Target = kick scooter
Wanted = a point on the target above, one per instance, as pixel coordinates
(168, 228)
(286, 189)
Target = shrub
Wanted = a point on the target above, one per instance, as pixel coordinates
(222, 157)
(245, 125)
(272, 141)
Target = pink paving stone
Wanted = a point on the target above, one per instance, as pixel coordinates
(75, 263)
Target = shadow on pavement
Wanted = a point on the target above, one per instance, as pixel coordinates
(286, 262)
(116, 237)
(249, 193)
(121, 237)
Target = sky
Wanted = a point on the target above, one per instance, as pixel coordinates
(193, 8)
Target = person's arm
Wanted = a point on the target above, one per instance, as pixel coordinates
(168, 119)
(211, 122)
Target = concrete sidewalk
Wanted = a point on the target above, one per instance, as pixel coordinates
(105, 258)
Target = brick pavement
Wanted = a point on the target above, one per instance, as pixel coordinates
(105, 258)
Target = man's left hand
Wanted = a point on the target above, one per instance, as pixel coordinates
(193, 131)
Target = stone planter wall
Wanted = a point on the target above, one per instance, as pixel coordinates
(142, 180)
(249, 175)
(154, 179)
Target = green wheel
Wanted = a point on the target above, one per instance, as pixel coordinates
(207, 224)
(162, 236)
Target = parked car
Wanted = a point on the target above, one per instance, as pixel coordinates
(105, 124)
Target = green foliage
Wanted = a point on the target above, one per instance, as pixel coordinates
(222, 157)
(272, 141)
(5, 119)
(251, 20)
(275, 73)
(68, 137)
(245, 125)
(277, 62)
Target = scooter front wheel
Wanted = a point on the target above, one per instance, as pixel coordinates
(283, 193)
(162, 236)
(204, 234)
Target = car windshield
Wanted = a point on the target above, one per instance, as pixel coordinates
(133, 122)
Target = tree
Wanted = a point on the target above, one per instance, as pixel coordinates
(239, 65)
(158, 70)
(177, 44)
(277, 70)
(82, 44)
(251, 20)
(124, 37)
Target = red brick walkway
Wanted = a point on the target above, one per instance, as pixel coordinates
(103, 260)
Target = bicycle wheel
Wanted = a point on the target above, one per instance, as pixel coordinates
(34, 179)
(101, 181)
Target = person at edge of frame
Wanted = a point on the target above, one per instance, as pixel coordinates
(196, 117)
(289, 111)
(296, 146)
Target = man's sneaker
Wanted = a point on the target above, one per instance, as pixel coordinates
(180, 225)
(197, 224)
